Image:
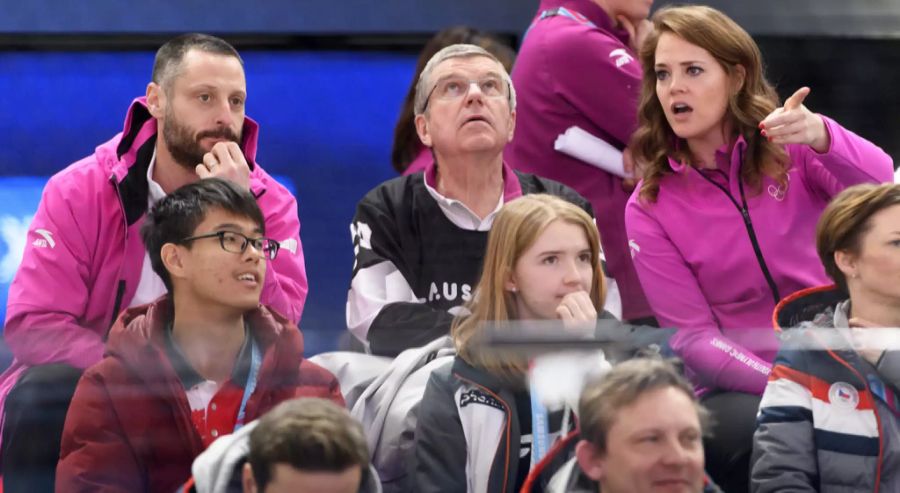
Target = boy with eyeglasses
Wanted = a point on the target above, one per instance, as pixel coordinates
(195, 364)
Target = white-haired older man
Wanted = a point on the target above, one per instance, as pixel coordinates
(419, 239)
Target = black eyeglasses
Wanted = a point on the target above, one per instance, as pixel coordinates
(234, 242)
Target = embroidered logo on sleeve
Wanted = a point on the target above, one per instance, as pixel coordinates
(634, 247)
(622, 57)
(476, 396)
(361, 235)
(289, 244)
(45, 240)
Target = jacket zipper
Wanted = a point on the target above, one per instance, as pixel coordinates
(120, 293)
(120, 289)
(745, 214)
(865, 383)
(508, 426)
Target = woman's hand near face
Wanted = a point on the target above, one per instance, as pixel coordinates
(577, 310)
(793, 123)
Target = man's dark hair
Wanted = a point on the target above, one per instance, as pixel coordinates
(308, 434)
(170, 55)
(178, 214)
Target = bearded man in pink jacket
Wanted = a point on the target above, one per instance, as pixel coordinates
(84, 261)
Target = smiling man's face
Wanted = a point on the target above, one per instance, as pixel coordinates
(654, 444)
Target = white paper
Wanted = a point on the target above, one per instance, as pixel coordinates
(581, 145)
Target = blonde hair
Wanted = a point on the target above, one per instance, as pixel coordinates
(845, 221)
(654, 141)
(515, 228)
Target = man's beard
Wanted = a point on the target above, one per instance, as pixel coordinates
(184, 147)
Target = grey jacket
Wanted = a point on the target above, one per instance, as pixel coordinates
(467, 437)
(822, 426)
(388, 407)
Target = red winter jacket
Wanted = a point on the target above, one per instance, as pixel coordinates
(129, 426)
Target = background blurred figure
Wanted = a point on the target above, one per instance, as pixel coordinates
(731, 180)
(301, 446)
(476, 423)
(84, 260)
(419, 239)
(408, 154)
(641, 431)
(829, 420)
(577, 67)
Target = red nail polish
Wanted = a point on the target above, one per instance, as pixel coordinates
(763, 133)
(761, 125)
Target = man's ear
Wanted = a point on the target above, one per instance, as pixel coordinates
(247, 479)
(512, 125)
(156, 100)
(422, 130)
(174, 260)
(590, 460)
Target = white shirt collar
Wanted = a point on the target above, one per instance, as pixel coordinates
(460, 215)
(156, 192)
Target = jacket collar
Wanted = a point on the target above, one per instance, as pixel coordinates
(511, 187)
(139, 338)
(805, 305)
(135, 151)
(728, 157)
(140, 127)
(189, 376)
(822, 314)
(483, 378)
(592, 12)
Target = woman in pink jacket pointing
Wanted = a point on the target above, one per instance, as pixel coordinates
(722, 225)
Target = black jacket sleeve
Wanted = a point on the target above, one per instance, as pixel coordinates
(400, 326)
(379, 238)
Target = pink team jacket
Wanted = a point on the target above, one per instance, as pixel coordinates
(698, 264)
